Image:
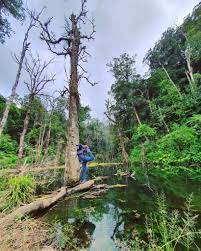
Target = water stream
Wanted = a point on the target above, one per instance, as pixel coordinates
(100, 222)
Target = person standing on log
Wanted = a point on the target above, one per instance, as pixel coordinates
(84, 155)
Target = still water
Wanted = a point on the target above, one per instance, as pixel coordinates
(114, 215)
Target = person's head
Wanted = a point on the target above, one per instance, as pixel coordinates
(81, 149)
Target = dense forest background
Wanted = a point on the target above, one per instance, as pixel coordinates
(146, 149)
(159, 113)
(153, 119)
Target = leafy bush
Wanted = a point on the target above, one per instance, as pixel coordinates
(181, 147)
(7, 160)
(7, 145)
(135, 157)
(20, 190)
(144, 131)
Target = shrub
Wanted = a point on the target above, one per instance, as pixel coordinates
(181, 147)
(7, 160)
(7, 145)
(143, 131)
(20, 190)
(165, 230)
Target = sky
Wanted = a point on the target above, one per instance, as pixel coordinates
(130, 26)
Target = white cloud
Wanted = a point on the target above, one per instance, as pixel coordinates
(130, 26)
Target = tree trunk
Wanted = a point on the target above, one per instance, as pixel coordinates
(40, 144)
(139, 120)
(13, 92)
(43, 203)
(162, 119)
(72, 166)
(124, 154)
(59, 152)
(176, 88)
(189, 73)
(137, 116)
(22, 136)
(47, 141)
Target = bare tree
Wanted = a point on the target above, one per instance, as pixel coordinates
(51, 102)
(72, 44)
(189, 72)
(25, 47)
(38, 79)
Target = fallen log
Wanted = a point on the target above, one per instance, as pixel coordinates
(100, 178)
(42, 203)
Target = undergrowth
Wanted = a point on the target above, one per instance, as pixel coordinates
(18, 190)
(165, 230)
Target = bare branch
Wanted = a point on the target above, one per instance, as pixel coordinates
(88, 80)
(83, 11)
(107, 113)
(37, 76)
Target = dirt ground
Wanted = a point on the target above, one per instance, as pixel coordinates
(26, 235)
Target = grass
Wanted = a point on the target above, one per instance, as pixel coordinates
(30, 234)
(18, 190)
(165, 230)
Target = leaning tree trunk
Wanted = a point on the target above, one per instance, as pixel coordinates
(25, 47)
(22, 136)
(137, 116)
(47, 141)
(13, 93)
(72, 166)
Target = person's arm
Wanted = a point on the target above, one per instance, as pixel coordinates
(88, 158)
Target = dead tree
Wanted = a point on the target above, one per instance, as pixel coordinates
(71, 44)
(189, 71)
(25, 47)
(38, 79)
(52, 101)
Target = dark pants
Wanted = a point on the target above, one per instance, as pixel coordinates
(84, 160)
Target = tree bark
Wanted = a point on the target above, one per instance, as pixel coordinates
(176, 88)
(72, 166)
(22, 136)
(47, 141)
(43, 203)
(40, 144)
(189, 73)
(124, 154)
(25, 47)
(13, 92)
(137, 116)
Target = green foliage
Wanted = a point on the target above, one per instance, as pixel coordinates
(166, 230)
(97, 135)
(135, 156)
(180, 147)
(144, 131)
(7, 160)
(64, 237)
(168, 50)
(8, 149)
(7, 145)
(13, 8)
(20, 189)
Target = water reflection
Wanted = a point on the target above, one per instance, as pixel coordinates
(116, 214)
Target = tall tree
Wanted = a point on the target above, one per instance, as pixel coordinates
(38, 79)
(25, 47)
(71, 44)
(13, 8)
